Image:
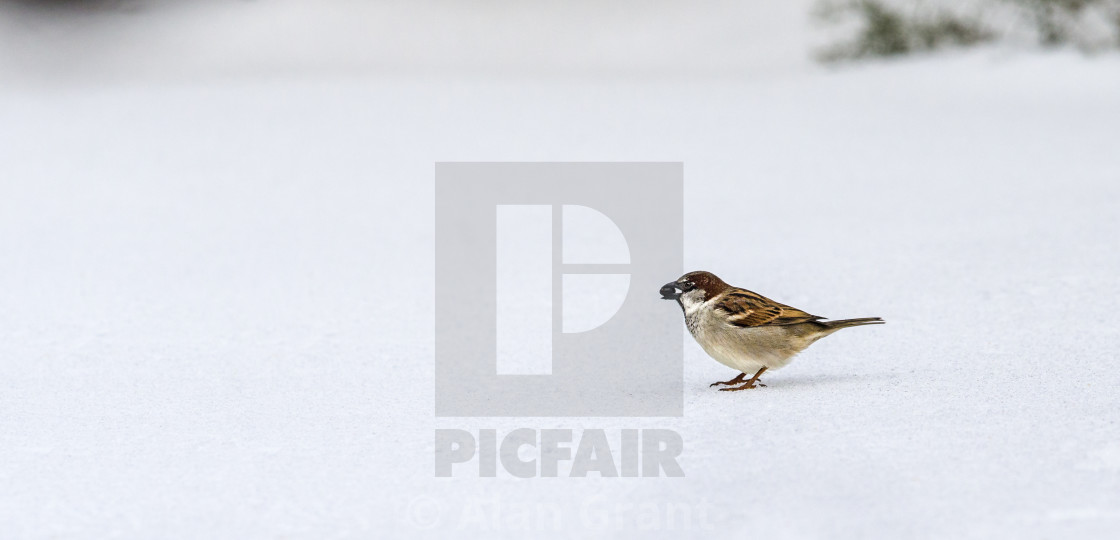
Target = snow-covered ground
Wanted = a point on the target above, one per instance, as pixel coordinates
(216, 304)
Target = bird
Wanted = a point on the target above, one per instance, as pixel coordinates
(744, 330)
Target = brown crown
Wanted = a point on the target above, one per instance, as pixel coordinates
(709, 282)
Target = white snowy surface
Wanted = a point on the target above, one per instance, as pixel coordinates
(216, 301)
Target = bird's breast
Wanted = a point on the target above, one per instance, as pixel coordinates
(742, 348)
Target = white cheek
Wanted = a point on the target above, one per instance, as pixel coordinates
(692, 300)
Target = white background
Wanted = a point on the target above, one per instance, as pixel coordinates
(216, 264)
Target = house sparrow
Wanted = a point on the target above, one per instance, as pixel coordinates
(744, 330)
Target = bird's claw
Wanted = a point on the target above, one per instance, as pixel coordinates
(744, 387)
(736, 380)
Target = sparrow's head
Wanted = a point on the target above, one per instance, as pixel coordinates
(693, 288)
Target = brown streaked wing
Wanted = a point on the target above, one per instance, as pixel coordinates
(747, 309)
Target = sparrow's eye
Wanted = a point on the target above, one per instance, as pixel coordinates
(687, 285)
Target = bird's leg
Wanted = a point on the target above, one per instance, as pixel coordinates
(750, 384)
(736, 380)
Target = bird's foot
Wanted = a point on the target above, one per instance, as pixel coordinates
(749, 385)
(736, 380)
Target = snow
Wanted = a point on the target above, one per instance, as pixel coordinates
(217, 311)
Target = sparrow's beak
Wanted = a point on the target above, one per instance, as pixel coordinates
(669, 291)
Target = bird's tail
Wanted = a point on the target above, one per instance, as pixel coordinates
(836, 325)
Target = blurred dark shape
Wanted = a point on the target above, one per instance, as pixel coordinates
(883, 32)
(1057, 20)
(48, 7)
(879, 28)
(888, 30)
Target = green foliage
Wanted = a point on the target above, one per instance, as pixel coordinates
(885, 33)
(944, 30)
(880, 28)
(884, 30)
(1052, 18)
